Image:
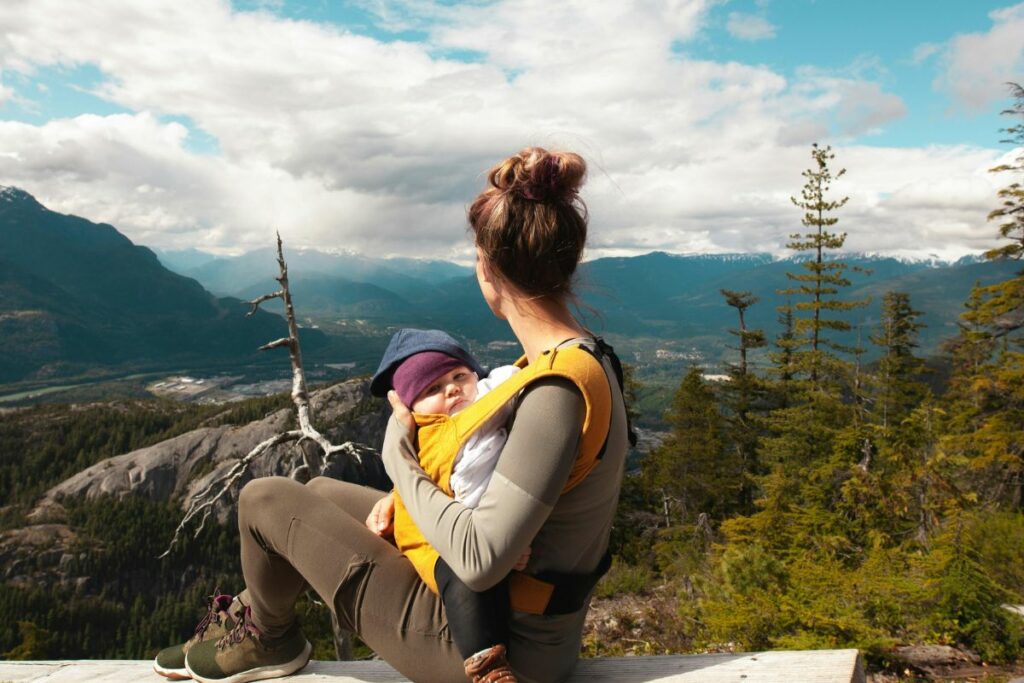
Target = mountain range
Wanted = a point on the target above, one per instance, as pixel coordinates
(76, 296)
(663, 296)
(79, 297)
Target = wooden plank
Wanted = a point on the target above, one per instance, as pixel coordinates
(813, 666)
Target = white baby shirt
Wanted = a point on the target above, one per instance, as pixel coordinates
(477, 459)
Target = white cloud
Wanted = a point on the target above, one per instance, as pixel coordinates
(343, 141)
(749, 26)
(854, 106)
(924, 52)
(865, 108)
(977, 66)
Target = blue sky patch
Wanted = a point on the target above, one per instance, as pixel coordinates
(876, 40)
(198, 140)
(56, 92)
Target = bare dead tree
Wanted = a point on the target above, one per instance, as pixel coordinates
(314, 460)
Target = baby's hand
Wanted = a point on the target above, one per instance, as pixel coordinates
(401, 411)
(381, 519)
(520, 564)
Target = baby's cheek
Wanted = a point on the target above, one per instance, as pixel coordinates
(424, 405)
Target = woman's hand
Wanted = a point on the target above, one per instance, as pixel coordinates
(381, 519)
(521, 563)
(401, 411)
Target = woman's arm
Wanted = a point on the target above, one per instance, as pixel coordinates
(481, 545)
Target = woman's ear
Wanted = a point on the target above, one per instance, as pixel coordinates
(483, 267)
(491, 284)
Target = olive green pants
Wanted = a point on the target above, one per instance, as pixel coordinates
(314, 535)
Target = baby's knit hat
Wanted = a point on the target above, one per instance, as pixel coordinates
(418, 371)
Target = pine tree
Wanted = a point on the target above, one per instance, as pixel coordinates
(691, 471)
(802, 448)
(885, 495)
(1012, 210)
(744, 397)
(820, 285)
(1002, 310)
(970, 351)
(898, 388)
(987, 427)
(748, 338)
(785, 342)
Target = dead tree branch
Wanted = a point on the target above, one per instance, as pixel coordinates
(203, 502)
(313, 460)
(255, 303)
(276, 344)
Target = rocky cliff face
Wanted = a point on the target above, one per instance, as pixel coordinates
(184, 465)
(178, 468)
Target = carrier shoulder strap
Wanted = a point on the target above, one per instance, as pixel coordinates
(441, 436)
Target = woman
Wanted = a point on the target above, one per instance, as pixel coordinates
(530, 229)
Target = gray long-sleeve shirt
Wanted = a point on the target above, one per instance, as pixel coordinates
(523, 507)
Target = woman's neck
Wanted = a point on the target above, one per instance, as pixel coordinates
(541, 324)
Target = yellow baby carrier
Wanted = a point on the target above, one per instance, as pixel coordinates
(441, 437)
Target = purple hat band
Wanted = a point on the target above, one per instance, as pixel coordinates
(417, 372)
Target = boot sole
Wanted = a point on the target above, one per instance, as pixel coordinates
(181, 674)
(261, 672)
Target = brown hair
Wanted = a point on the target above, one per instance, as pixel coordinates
(530, 223)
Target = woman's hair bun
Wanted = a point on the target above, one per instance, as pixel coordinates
(530, 224)
(538, 175)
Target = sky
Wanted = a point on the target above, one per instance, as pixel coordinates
(369, 125)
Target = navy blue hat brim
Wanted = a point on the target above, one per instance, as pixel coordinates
(407, 342)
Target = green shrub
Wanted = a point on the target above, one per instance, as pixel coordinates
(967, 603)
(623, 579)
(998, 540)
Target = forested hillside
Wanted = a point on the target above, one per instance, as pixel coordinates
(826, 503)
(82, 572)
(118, 599)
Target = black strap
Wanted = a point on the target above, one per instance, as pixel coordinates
(571, 590)
(604, 349)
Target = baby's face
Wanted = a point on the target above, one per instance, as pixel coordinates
(448, 394)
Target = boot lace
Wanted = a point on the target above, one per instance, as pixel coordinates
(219, 602)
(243, 628)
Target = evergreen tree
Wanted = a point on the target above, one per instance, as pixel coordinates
(786, 342)
(744, 398)
(884, 497)
(691, 471)
(804, 463)
(969, 352)
(748, 338)
(987, 429)
(1011, 212)
(898, 388)
(782, 358)
(1002, 309)
(820, 285)
(806, 450)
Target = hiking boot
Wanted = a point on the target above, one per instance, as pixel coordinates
(490, 666)
(245, 654)
(170, 661)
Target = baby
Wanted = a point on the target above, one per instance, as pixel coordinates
(433, 374)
